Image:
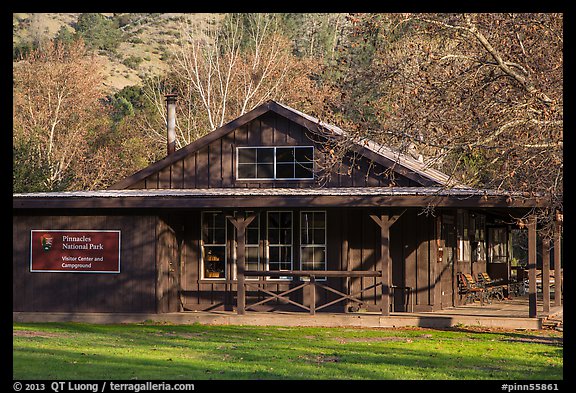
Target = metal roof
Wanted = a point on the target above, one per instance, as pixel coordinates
(256, 198)
(256, 192)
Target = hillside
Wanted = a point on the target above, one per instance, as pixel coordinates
(144, 44)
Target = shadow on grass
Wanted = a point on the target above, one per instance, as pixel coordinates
(197, 352)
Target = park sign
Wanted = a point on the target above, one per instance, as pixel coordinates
(78, 251)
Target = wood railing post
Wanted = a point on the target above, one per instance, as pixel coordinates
(312, 285)
(557, 267)
(546, 275)
(532, 308)
(384, 305)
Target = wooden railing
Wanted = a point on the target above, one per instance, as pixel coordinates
(311, 284)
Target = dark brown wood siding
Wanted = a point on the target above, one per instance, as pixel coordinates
(168, 265)
(214, 165)
(131, 290)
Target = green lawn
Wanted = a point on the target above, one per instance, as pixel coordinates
(198, 352)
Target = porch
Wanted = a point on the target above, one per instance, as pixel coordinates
(509, 314)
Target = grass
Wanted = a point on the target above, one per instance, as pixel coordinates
(199, 352)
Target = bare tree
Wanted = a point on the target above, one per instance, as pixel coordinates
(223, 71)
(479, 96)
(56, 100)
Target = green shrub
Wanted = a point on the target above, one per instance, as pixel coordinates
(132, 62)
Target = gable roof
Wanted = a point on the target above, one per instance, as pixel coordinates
(400, 163)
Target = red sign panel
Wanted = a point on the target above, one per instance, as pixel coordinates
(85, 251)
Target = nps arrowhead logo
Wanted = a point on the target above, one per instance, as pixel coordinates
(46, 241)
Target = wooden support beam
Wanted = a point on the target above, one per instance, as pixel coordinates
(385, 221)
(532, 309)
(312, 295)
(546, 275)
(436, 263)
(240, 223)
(344, 258)
(557, 267)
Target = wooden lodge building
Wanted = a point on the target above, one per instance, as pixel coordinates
(244, 219)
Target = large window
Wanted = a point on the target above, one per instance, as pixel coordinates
(286, 163)
(313, 240)
(213, 245)
(279, 240)
(270, 243)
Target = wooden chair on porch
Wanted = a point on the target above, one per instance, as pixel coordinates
(468, 289)
(494, 288)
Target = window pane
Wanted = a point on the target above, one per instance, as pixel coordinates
(286, 254)
(307, 255)
(319, 236)
(246, 171)
(219, 236)
(252, 235)
(319, 220)
(252, 255)
(284, 154)
(213, 228)
(214, 261)
(206, 234)
(285, 171)
(305, 236)
(303, 171)
(265, 155)
(274, 254)
(265, 171)
(319, 255)
(285, 236)
(274, 236)
(286, 219)
(304, 154)
(282, 254)
(246, 155)
(274, 220)
(313, 228)
(280, 258)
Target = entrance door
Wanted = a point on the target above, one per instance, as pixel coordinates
(448, 242)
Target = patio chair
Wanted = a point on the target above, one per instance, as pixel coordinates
(468, 289)
(493, 287)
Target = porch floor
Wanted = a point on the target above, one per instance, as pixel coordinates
(508, 314)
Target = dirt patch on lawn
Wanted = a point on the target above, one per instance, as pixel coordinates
(343, 340)
(35, 333)
(319, 359)
(548, 340)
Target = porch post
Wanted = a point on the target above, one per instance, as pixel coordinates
(344, 258)
(546, 275)
(532, 310)
(385, 221)
(557, 267)
(240, 223)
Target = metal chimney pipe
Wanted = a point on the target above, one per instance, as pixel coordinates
(171, 122)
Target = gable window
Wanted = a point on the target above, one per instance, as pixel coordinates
(275, 163)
